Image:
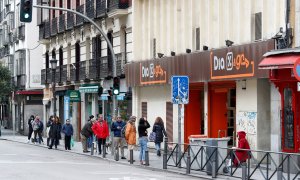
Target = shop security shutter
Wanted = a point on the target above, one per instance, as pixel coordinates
(169, 120)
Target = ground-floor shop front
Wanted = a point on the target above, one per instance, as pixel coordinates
(227, 93)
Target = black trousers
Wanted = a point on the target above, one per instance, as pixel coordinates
(101, 142)
(54, 141)
(29, 133)
(67, 142)
(39, 133)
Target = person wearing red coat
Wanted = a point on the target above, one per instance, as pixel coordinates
(100, 129)
(242, 155)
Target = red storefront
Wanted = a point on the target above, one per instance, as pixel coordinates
(283, 73)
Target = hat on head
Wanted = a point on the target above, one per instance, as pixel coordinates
(132, 117)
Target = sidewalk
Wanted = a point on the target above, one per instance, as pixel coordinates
(155, 162)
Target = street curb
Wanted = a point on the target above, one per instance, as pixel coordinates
(113, 161)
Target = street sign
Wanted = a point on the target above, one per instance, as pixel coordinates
(180, 89)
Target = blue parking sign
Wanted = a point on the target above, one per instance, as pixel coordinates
(180, 89)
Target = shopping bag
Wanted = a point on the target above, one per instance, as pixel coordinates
(72, 142)
(152, 136)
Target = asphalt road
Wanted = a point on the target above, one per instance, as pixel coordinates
(28, 162)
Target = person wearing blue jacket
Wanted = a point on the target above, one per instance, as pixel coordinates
(116, 127)
(67, 129)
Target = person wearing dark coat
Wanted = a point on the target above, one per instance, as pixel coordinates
(48, 125)
(67, 129)
(86, 132)
(160, 132)
(143, 138)
(54, 133)
(30, 129)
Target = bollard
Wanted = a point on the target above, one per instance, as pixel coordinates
(279, 173)
(188, 162)
(244, 171)
(104, 151)
(147, 158)
(213, 169)
(165, 155)
(131, 156)
(117, 154)
(92, 149)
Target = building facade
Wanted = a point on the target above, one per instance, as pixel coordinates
(21, 53)
(84, 74)
(219, 45)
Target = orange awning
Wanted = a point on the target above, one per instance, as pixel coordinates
(279, 61)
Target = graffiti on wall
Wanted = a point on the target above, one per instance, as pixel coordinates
(246, 121)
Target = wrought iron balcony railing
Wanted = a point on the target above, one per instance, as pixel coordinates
(94, 69)
(82, 70)
(103, 67)
(43, 76)
(100, 8)
(47, 29)
(70, 21)
(64, 73)
(74, 72)
(79, 19)
(62, 23)
(90, 9)
(41, 31)
(53, 26)
(117, 4)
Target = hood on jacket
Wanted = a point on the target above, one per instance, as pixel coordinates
(241, 134)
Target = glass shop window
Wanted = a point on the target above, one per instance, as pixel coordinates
(288, 119)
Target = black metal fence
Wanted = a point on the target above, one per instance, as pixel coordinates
(214, 161)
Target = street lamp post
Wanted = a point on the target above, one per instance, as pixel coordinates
(53, 63)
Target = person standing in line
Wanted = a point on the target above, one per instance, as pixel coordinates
(30, 129)
(86, 132)
(118, 139)
(130, 135)
(54, 133)
(100, 129)
(67, 129)
(40, 131)
(160, 132)
(143, 138)
(36, 125)
(90, 139)
(48, 125)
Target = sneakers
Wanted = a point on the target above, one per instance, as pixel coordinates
(123, 157)
(86, 151)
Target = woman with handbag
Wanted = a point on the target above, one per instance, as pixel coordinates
(160, 132)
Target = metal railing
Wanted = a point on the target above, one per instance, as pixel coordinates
(47, 29)
(70, 21)
(117, 4)
(214, 161)
(61, 23)
(53, 26)
(100, 8)
(79, 19)
(90, 9)
(82, 70)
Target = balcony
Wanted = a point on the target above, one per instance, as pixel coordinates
(74, 72)
(82, 70)
(100, 8)
(48, 76)
(79, 19)
(21, 82)
(117, 8)
(43, 77)
(21, 32)
(57, 75)
(47, 29)
(103, 67)
(94, 69)
(54, 27)
(89, 9)
(70, 20)
(61, 23)
(120, 60)
(41, 31)
(64, 73)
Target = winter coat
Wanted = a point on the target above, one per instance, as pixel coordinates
(100, 129)
(130, 133)
(55, 131)
(30, 121)
(36, 124)
(67, 129)
(242, 144)
(114, 128)
(87, 130)
(160, 133)
(142, 128)
(41, 128)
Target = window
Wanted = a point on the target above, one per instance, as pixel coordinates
(69, 4)
(197, 38)
(53, 11)
(60, 5)
(258, 26)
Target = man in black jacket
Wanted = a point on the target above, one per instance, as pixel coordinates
(86, 132)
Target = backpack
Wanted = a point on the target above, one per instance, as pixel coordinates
(123, 130)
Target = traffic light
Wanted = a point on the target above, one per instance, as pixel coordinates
(116, 86)
(26, 11)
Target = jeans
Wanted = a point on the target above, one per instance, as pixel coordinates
(157, 146)
(143, 147)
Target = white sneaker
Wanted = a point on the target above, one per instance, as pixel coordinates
(28, 141)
